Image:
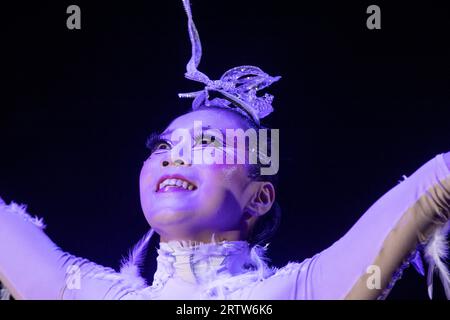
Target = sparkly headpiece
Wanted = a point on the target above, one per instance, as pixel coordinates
(237, 87)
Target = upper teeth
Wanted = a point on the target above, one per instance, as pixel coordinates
(177, 183)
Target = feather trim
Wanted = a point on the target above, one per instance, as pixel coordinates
(230, 266)
(222, 284)
(130, 266)
(436, 252)
(21, 210)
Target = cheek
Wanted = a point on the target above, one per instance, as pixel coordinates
(234, 177)
(142, 187)
(224, 181)
(150, 168)
(145, 175)
(145, 178)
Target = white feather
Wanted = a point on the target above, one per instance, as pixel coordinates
(436, 252)
(130, 267)
(21, 210)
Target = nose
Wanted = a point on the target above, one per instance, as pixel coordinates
(179, 161)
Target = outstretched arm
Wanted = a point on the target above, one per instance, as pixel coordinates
(447, 159)
(30, 264)
(384, 239)
(33, 267)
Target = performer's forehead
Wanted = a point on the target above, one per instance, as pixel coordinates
(210, 119)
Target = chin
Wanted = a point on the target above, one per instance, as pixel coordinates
(169, 217)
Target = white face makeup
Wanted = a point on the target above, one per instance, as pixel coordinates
(182, 200)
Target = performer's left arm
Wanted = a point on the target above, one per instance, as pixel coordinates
(367, 260)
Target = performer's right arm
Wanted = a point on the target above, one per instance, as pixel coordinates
(30, 263)
(33, 267)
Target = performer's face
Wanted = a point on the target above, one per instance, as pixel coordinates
(219, 193)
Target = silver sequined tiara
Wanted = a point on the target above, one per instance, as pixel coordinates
(237, 87)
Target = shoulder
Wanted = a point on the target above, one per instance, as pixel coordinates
(283, 284)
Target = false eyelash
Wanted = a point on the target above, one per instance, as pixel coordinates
(153, 140)
(200, 136)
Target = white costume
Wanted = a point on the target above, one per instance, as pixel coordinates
(410, 220)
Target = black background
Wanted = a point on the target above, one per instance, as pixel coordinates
(356, 109)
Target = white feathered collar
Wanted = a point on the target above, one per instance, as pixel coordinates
(201, 263)
(218, 268)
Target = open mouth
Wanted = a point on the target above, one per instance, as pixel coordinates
(174, 183)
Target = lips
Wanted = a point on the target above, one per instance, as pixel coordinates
(169, 183)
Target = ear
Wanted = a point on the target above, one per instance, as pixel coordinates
(262, 199)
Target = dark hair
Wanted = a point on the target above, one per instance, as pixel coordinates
(266, 225)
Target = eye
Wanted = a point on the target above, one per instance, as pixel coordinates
(207, 141)
(157, 144)
(162, 146)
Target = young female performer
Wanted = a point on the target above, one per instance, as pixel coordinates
(213, 219)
